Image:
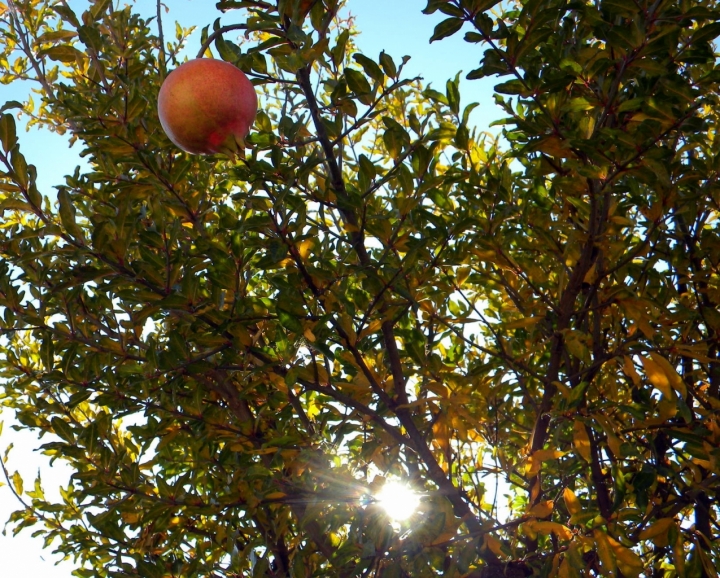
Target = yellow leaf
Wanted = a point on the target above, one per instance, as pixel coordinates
(572, 562)
(547, 528)
(304, 247)
(345, 322)
(443, 538)
(605, 552)
(571, 502)
(370, 328)
(441, 433)
(278, 381)
(707, 563)
(565, 570)
(676, 382)
(545, 455)
(524, 322)
(629, 370)
(698, 352)
(657, 377)
(535, 460)
(629, 563)
(581, 441)
(462, 274)
(667, 408)
(613, 441)
(275, 495)
(130, 517)
(17, 483)
(679, 555)
(494, 545)
(658, 532)
(555, 566)
(541, 510)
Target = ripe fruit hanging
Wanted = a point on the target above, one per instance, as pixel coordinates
(207, 106)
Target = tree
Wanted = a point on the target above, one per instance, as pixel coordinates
(234, 354)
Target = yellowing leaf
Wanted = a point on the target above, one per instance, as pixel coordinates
(658, 532)
(613, 441)
(629, 370)
(494, 545)
(581, 441)
(667, 408)
(275, 495)
(524, 322)
(546, 528)
(605, 552)
(130, 517)
(679, 555)
(657, 376)
(629, 563)
(541, 510)
(17, 483)
(304, 247)
(555, 566)
(566, 571)
(676, 382)
(462, 274)
(370, 328)
(571, 502)
(535, 461)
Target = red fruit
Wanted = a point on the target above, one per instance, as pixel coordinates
(207, 106)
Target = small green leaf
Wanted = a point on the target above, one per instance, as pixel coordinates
(68, 214)
(388, 64)
(338, 51)
(453, 94)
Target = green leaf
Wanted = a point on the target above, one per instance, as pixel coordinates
(63, 429)
(370, 67)
(10, 104)
(8, 135)
(512, 87)
(357, 82)
(68, 214)
(338, 51)
(707, 33)
(453, 94)
(290, 321)
(446, 28)
(20, 167)
(388, 64)
(228, 51)
(435, 95)
(63, 53)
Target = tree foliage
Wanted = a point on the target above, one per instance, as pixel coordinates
(234, 354)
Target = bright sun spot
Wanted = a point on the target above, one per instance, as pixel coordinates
(398, 500)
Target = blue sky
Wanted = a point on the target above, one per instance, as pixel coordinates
(396, 26)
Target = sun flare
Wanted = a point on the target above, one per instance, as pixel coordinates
(398, 500)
